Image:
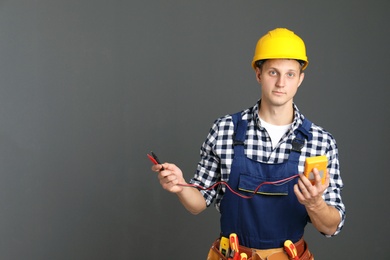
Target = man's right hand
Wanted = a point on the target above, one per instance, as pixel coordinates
(169, 176)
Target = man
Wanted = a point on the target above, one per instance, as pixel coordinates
(266, 143)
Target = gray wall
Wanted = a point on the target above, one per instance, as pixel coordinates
(87, 88)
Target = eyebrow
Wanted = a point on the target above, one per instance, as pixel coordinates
(290, 70)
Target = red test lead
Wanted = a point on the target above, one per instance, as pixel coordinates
(154, 159)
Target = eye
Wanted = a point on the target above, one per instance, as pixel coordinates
(272, 73)
(291, 74)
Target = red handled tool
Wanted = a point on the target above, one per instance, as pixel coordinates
(291, 250)
(243, 256)
(233, 239)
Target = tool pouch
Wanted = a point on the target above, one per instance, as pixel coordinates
(303, 252)
(214, 253)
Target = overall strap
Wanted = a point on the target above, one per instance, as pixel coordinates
(239, 133)
(302, 133)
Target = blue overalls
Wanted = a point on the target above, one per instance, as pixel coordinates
(274, 214)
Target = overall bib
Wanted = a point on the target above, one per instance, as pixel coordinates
(274, 214)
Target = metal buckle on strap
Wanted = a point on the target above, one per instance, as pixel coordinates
(236, 142)
(297, 144)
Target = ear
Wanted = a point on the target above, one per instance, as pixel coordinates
(301, 77)
(258, 74)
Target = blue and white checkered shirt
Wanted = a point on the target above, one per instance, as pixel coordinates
(217, 155)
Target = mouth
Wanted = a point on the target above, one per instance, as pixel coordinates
(278, 93)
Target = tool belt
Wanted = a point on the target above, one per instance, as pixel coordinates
(255, 254)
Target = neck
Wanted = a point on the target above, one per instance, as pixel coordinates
(279, 115)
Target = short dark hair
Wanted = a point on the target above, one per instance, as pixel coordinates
(259, 63)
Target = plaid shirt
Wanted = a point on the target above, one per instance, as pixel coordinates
(217, 155)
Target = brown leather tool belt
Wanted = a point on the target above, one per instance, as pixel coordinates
(254, 254)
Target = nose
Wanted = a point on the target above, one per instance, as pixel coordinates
(281, 82)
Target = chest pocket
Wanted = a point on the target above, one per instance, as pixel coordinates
(261, 185)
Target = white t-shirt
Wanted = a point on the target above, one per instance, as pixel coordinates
(275, 131)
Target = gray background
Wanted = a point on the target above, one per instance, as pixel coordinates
(87, 88)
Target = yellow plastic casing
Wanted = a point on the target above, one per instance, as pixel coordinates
(318, 162)
(224, 246)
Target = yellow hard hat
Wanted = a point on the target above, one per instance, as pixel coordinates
(280, 43)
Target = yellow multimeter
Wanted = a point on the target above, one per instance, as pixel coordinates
(224, 246)
(318, 162)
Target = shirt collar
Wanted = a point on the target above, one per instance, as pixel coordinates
(298, 117)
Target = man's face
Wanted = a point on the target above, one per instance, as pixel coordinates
(279, 79)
